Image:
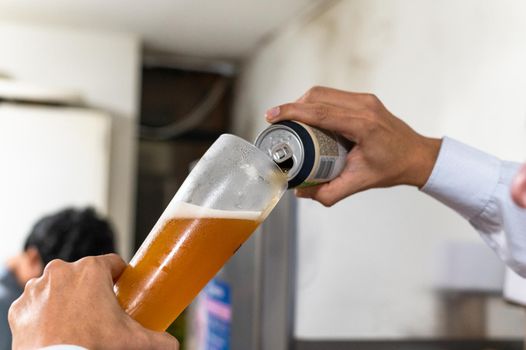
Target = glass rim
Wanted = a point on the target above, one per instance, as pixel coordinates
(239, 138)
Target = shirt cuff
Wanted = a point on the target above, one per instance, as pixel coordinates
(463, 178)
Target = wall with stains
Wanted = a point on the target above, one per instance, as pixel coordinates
(367, 268)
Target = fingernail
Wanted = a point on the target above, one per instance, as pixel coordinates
(272, 113)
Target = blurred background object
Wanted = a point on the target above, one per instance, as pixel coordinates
(83, 154)
(374, 272)
(55, 154)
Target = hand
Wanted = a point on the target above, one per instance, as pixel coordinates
(74, 303)
(518, 188)
(387, 151)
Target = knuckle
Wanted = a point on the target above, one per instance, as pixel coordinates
(316, 90)
(12, 313)
(113, 255)
(322, 112)
(288, 108)
(90, 267)
(370, 98)
(313, 93)
(54, 266)
(31, 283)
(89, 262)
(371, 101)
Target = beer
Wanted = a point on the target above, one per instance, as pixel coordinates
(232, 188)
(308, 155)
(183, 252)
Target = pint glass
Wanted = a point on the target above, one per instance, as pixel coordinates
(227, 195)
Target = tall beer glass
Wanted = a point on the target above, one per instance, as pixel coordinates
(227, 195)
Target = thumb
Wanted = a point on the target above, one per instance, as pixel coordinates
(325, 193)
(113, 263)
(307, 192)
(333, 191)
(162, 341)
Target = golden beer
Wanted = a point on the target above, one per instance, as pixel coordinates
(183, 252)
(228, 193)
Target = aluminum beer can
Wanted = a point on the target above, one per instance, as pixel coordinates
(309, 156)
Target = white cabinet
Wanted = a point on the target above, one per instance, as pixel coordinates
(50, 157)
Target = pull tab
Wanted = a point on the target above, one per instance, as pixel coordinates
(282, 156)
(281, 153)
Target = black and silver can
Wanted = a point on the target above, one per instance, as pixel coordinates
(308, 155)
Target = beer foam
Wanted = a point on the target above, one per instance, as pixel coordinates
(183, 210)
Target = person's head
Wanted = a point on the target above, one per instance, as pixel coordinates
(68, 235)
(518, 189)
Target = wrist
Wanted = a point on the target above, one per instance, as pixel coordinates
(423, 162)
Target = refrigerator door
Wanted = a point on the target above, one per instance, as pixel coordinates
(51, 157)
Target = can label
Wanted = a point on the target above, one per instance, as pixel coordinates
(331, 156)
(308, 155)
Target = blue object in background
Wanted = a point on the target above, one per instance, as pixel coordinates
(219, 315)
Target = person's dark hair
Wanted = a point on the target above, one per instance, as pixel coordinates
(70, 235)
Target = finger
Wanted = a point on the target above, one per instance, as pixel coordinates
(335, 97)
(331, 192)
(306, 192)
(14, 311)
(29, 284)
(323, 194)
(339, 120)
(518, 188)
(163, 340)
(113, 264)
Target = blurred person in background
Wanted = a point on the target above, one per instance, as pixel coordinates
(68, 235)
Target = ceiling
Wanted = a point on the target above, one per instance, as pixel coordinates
(204, 28)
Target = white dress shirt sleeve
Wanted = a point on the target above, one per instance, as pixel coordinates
(477, 186)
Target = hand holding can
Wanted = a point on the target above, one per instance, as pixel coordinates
(386, 152)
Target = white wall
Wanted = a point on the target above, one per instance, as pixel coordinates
(104, 67)
(367, 265)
